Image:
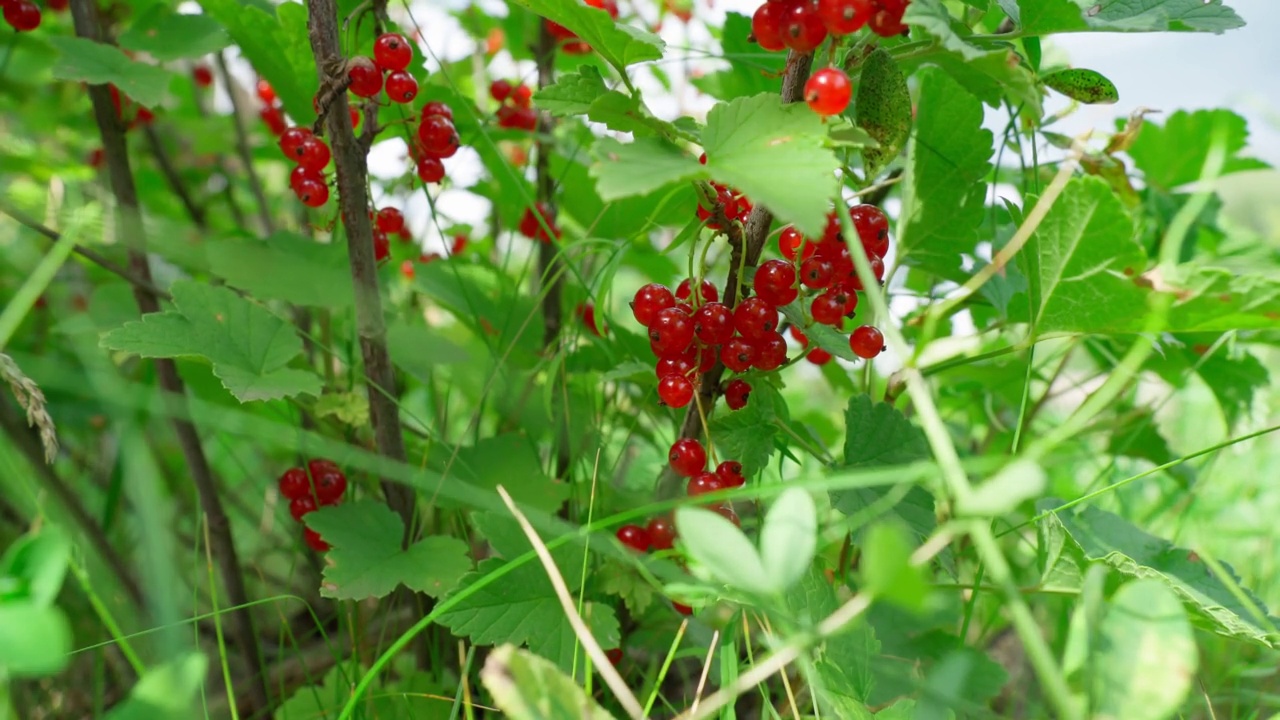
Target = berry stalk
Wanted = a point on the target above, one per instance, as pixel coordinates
(353, 199)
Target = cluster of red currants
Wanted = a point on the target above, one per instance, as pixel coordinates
(437, 140)
(272, 113)
(392, 54)
(307, 489)
(516, 109)
(736, 205)
(688, 459)
(312, 156)
(572, 44)
(535, 222)
(387, 221)
(24, 15)
(802, 25)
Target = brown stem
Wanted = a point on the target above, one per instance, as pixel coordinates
(353, 199)
(171, 176)
(242, 145)
(30, 447)
(131, 229)
(744, 254)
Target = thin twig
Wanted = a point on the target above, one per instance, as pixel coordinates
(131, 230)
(242, 144)
(353, 199)
(172, 177)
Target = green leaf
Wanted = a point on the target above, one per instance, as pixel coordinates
(624, 113)
(1017, 482)
(34, 640)
(933, 17)
(887, 571)
(1107, 538)
(512, 461)
(247, 345)
(1087, 86)
(1145, 657)
(844, 661)
(1174, 154)
(749, 434)
(38, 560)
(572, 94)
(1045, 17)
(619, 45)
(350, 408)
(166, 692)
(615, 578)
(277, 47)
(319, 272)
(418, 349)
(882, 108)
(774, 154)
(993, 77)
(367, 561)
(720, 547)
(640, 167)
(526, 687)
(173, 36)
(789, 537)
(946, 177)
(823, 336)
(878, 434)
(560, 643)
(95, 63)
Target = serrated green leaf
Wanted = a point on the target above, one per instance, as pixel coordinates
(526, 687)
(1045, 17)
(887, 571)
(1145, 657)
(512, 461)
(624, 113)
(945, 182)
(96, 63)
(640, 167)
(1017, 482)
(1107, 538)
(994, 77)
(559, 643)
(882, 108)
(418, 349)
(844, 660)
(878, 434)
(350, 408)
(1174, 153)
(748, 435)
(319, 273)
(272, 44)
(721, 548)
(789, 537)
(572, 94)
(367, 560)
(820, 335)
(934, 18)
(165, 692)
(1087, 86)
(775, 154)
(34, 640)
(615, 578)
(39, 560)
(619, 45)
(172, 36)
(247, 345)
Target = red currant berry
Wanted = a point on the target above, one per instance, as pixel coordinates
(634, 537)
(755, 318)
(791, 243)
(682, 608)
(802, 29)
(649, 301)
(381, 246)
(391, 52)
(877, 269)
(499, 90)
(671, 332)
(713, 323)
(675, 391)
(407, 270)
(682, 365)
(585, 312)
(401, 87)
(266, 93)
(437, 136)
(294, 484)
(799, 336)
(872, 227)
(771, 352)
(366, 79)
(818, 356)
(430, 170)
(738, 354)
(886, 23)
(703, 483)
(301, 506)
(522, 96)
(435, 108)
(736, 394)
(314, 541)
(828, 91)
(201, 74)
(662, 533)
(536, 220)
(730, 472)
(829, 308)
(312, 191)
(313, 154)
(845, 17)
(291, 141)
(775, 282)
(766, 26)
(274, 120)
(299, 174)
(614, 655)
(706, 290)
(687, 458)
(866, 342)
(390, 220)
(817, 273)
(726, 512)
(704, 357)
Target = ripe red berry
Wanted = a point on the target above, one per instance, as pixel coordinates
(704, 357)
(766, 26)
(755, 318)
(687, 458)
(802, 29)
(22, 15)
(828, 91)
(671, 332)
(845, 17)
(329, 481)
(266, 93)
(682, 608)
(299, 174)
(681, 365)
(522, 96)
(703, 483)
(634, 537)
(201, 74)
(730, 472)
(437, 136)
(662, 533)
(390, 220)
(314, 541)
(499, 90)
(381, 245)
(274, 119)
(829, 307)
(295, 484)
(818, 356)
(614, 655)
(585, 311)
(775, 282)
(736, 394)
(391, 52)
(313, 154)
(649, 301)
(366, 79)
(771, 352)
(817, 273)
(866, 342)
(435, 108)
(291, 141)
(872, 227)
(301, 506)
(725, 511)
(430, 170)
(407, 270)
(707, 291)
(312, 190)
(401, 87)
(675, 391)
(536, 220)
(738, 354)
(713, 323)
(887, 23)
(877, 269)
(799, 335)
